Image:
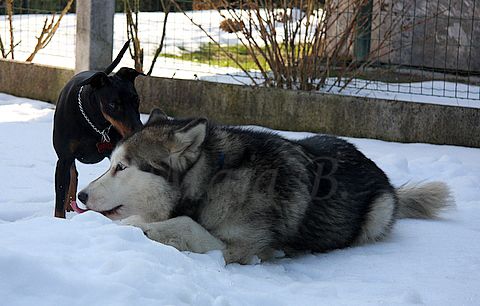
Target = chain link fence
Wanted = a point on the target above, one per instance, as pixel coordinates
(21, 32)
(397, 49)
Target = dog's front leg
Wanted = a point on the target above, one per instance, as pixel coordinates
(62, 185)
(181, 232)
(72, 189)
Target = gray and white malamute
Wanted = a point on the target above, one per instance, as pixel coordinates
(200, 187)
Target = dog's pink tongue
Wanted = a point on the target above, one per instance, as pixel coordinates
(76, 208)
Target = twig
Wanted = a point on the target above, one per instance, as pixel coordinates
(10, 25)
(215, 42)
(132, 33)
(166, 11)
(49, 30)
(14, 46)
(308, 53)
(2, 48)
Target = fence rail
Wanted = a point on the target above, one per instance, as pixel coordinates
(426, 48)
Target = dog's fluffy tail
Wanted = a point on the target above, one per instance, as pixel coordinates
(115, 62)
(424, 201)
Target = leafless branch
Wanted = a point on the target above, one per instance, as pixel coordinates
(132, 32)
(2, 48)
(48, 31)
(166, 5)
(228, 54)
(9, 8)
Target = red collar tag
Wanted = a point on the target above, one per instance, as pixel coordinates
(104, 147)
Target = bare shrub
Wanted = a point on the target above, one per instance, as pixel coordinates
(282, 17)
(206, 5)
(9, 8)
(304, 43)
(2, 48)
(232, 26)
(46, 34)
(49, 29)
(132, 10)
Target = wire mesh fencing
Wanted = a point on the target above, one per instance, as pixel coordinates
(388, 49)
(395, 49)
(432, 49)
(22, 24)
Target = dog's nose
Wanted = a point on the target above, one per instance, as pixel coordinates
(83, 197)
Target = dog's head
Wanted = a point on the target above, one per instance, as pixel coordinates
(118, 98)
(146, 169)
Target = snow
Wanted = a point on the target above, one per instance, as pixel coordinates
(433, 92)
(183, 35)
(90, 260)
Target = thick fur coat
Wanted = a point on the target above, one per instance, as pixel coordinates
(199, 186)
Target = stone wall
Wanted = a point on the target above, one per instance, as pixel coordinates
(307, 111)
(274, 108)
(32, 81)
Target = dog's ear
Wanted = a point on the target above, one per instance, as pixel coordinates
(184, 144)
(156, 115)
(97, 80)
(189, 138)
(128, 74)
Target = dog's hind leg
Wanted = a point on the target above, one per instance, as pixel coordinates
(379, 220)
(182, 233)
(62, 185)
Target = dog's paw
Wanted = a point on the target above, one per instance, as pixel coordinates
(136, 221)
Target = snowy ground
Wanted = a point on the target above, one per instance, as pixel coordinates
(88, 260)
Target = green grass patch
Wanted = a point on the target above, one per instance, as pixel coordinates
(210, 53)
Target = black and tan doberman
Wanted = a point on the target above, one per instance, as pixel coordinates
(94, 111)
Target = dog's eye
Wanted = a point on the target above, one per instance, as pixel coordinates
(120, 167)
(112, 105)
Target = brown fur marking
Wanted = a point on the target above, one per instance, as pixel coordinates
(118, 125)
(72, 188)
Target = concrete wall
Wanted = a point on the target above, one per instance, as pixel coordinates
(304, 111)
(32, 80)
(274, 108)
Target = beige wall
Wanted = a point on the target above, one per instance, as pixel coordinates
(307, 111)
(32, 80)
(274, 108)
